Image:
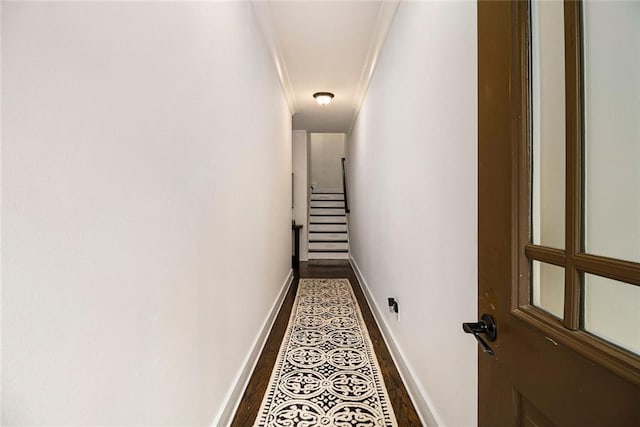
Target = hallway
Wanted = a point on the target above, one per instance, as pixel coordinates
(154, 157)
(147, 161)
(252, 398)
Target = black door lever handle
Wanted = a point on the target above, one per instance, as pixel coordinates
(486, 326)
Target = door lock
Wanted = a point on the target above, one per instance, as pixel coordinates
(486, 326)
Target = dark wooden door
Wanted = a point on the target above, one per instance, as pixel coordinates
(547, 370)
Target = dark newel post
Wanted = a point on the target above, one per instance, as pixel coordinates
(295, 259)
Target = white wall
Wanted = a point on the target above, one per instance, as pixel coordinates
(327, 151)
(146, 156)
(300, 158)
(413, 225)
(612, 156)
(548, 123)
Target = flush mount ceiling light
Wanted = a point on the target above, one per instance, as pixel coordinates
(323, 98)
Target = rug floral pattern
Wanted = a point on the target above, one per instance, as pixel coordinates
(326, 373)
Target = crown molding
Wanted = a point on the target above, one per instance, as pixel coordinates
(386, 13)
(262, 10)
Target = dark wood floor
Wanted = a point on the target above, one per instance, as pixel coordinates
(250, 404)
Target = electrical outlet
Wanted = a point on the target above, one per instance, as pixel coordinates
(393, 305)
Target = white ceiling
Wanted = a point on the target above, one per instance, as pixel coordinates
(325, 46)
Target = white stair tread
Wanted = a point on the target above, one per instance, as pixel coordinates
(326, 227)
(329, 246)
(327, 236)
(325, 219)
(328, 255)
(327, 196)
(320, 211)
(327, 204)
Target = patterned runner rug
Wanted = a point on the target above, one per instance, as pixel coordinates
(326, 373)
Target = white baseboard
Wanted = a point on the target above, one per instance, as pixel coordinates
(419, 397)
(234, 396)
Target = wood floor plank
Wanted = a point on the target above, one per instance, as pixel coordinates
(398, 395)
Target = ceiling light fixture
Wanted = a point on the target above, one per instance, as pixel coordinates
(323, 98)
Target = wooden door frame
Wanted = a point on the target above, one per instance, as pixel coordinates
(496, 204)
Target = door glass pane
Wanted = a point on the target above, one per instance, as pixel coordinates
(547, 287)
(612, 311)
(612, 129)
(548, 123)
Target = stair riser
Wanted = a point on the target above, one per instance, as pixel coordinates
(332, 212)
(327, 204)
(327, 237)
(326, 190)
(326, 228)
(329, 246)
(315, 197)
(331, 219)
(322, 255)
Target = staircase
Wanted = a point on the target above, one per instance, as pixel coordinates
(328, 234)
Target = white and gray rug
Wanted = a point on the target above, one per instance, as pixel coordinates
(326, 373)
